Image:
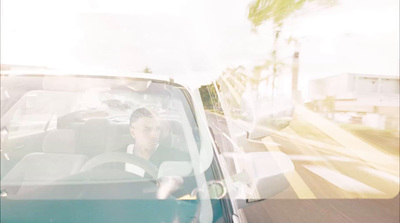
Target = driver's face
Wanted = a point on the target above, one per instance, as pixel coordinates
(146, 132)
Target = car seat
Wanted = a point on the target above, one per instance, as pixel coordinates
(58, 160)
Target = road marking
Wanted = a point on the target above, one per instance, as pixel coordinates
(321, 158)
(217, 127)
(354, 145)
(342, 181)
(296, 182)
(265, 143)
(216, 115)
(381, 174)
(289, 135)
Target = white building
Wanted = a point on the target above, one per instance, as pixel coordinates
(374, 99)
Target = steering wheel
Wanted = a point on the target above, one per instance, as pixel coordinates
(121, 157)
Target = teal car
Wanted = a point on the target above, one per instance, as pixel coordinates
(61, 159)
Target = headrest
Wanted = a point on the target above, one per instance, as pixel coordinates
(165, 134)
(93, 136)
(59, 141)
(172, 135)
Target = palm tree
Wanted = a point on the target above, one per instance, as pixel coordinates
(277, 11)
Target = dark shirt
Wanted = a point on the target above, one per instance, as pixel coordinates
(163, 154)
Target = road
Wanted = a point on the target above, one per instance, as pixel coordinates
(329, 185)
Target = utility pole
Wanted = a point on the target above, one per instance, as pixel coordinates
(295, 75)
(296, 93)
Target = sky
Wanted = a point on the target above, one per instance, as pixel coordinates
(198, 38)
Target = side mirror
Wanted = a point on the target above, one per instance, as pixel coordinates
(265, 115)
(4, 94)
(269, 172)
(263, 125)
(4, 134)
(263, 175)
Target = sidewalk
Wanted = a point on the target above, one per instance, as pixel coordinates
(353, 145)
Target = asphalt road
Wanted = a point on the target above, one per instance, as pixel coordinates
(328, 186)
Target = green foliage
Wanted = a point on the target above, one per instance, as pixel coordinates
(329, 103)
(237, 72)
(277, 10)
(209, 97)
(147, 70)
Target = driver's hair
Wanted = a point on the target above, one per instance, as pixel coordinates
(142, 113)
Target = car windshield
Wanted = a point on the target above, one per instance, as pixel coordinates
(77, 138)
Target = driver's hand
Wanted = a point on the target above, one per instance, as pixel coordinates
(168, 185)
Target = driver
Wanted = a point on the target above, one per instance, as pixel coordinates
(145, 129)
